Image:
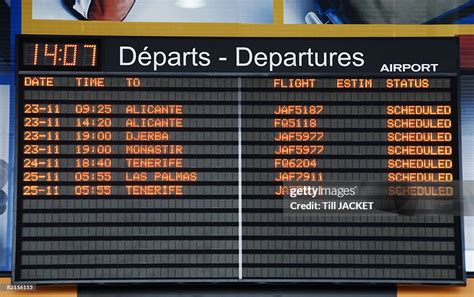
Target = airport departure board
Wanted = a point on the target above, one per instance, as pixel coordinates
(184, 160)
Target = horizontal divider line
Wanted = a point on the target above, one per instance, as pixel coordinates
(247, 251)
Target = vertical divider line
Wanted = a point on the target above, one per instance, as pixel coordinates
(239, 110)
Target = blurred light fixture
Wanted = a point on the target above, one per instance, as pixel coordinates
(191, 4)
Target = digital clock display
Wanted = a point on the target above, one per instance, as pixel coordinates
(60, 54)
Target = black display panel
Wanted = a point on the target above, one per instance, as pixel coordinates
(181, 160)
